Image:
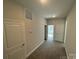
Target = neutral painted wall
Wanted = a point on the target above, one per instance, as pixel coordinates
(70, 33)
(15, 11)
(37, 35)
(59, 25)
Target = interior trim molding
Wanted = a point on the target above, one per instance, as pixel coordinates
(66, 52)
(34, 49)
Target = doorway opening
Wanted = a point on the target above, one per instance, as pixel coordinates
(50, 32)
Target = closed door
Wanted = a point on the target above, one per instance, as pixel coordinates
(59, 32)
(14, 33)
(45, 32)
(29, 38)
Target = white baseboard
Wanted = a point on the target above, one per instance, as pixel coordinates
(71, 55)
(34, 49)
(66, 52)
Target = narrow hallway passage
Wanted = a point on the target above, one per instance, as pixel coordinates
(49, 50)
(26, 22)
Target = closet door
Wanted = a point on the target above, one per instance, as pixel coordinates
(29, 38)
(14, 32)
(59, 30)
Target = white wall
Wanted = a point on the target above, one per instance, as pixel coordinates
(15, 11)
(70, 33)
(37, 35)
(59, 25)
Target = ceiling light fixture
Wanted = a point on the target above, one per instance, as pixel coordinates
(43, 1)
(53, 16)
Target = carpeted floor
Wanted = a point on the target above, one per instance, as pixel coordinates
(49, 50)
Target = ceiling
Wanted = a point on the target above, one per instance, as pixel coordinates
(57, 8)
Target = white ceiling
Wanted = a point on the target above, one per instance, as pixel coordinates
(58, 8)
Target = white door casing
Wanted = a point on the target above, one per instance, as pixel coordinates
(29, 34)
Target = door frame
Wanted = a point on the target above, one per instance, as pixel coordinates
(45, 32)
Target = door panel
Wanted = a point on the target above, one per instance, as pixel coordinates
(29, 34)
(16, 54)
(45, 32)
(14, 32)
(59, 32)
(4, 45)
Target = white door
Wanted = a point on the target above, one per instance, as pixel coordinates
(29, 38)
(14, 33)
(59, 32)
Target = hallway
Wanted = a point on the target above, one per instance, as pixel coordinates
(49, 50)
(26, 22)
